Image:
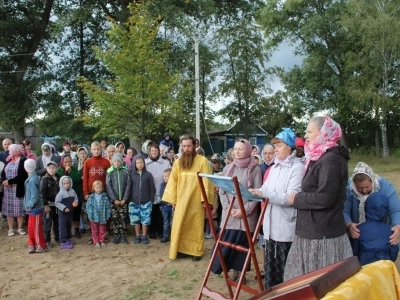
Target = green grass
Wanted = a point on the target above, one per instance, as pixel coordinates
(173, 272)
(378, 164)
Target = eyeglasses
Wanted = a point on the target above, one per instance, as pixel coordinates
(240, 141)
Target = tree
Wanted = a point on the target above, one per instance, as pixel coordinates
(243, 72)
(376, 26)
(140, 95)
(76, 31)
(23, 66)
(313, 27)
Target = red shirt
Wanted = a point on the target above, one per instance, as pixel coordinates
(94, 168)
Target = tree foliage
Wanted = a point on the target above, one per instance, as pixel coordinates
(140, 95)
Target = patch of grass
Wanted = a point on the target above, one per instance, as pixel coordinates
(187, 288)
(378, 164)
(176, 295)
(173, 272)
(194, 280)
(140, 291)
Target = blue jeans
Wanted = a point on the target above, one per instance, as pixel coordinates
(167, 222)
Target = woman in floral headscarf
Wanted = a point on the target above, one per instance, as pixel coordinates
(321, 237)
(249, 174)
(13, 179)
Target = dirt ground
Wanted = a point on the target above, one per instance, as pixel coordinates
(115, 272)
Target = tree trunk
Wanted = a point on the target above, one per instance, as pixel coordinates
(377, 145)
(385, 145)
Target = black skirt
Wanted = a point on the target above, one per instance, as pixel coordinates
(234, 260)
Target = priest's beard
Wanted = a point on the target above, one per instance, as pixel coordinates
(186, 160)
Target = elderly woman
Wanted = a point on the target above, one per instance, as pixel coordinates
(268, 155)
(13, 179)
(249, 174)
(284, 178)
(46, 157)
(321, 237)
(364, 182)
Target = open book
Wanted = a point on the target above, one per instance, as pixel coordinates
(226, 184)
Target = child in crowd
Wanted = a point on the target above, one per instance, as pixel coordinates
(99, 212)
(166, 208)
(95, 168)
(82, 157)
(33, 205)
(110, 152)
(373, 243)
(66, 201)
(49, 189)
(141, 200)
(118, 191)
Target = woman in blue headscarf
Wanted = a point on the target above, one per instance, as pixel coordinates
(279, 224)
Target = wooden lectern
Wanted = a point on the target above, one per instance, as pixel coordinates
(232, 186)
(313, 285)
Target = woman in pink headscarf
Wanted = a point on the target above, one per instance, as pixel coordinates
(248, 173)
(321, 237)
(13, 179)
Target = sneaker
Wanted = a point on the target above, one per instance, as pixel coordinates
(124, 240)
(97, 245)
(164, 240)
(70, 241)
(103, 245)
(66, 246)
(31, 249)
(116, 240)
(11, 233)
(208, 236)
(49, 245)
(145, 240)
(137, 240)
(21, 231)
(42, 250)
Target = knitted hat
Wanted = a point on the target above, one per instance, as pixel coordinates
(30, 165)
(117, 156)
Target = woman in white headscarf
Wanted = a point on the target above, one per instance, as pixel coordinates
(363, 183)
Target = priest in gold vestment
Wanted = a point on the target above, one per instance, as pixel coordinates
(183, 192)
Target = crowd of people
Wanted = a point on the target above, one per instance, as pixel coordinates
(315, 214)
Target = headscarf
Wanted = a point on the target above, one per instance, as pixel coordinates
(46, 158)
(363, 168)
(288, 137)
(328, 136)
(259, 158)
(257, 148)
(248, 162)
(15, 150)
